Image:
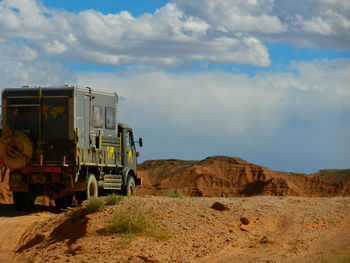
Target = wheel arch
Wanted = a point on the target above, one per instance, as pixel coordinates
(126, 172)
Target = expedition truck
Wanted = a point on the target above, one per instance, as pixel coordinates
(65, 141)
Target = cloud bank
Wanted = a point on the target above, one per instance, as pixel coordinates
(224, 32)
(283, 118)
(322, 23)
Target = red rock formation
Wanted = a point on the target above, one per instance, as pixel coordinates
(229, 177)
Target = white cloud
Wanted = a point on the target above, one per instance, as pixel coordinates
(235, 16)
(26, 53)
(317, 25)
(224, 32)
(320, 23)
(21, 65)
(249, 99)
(282, 116)
(55, 47)
(169, 37)
(24, 18)
(14, 74)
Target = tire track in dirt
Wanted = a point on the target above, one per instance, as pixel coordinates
(332, 244)
(12, 227)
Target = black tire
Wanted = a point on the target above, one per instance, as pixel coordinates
(23, 201)
(64, 202)
(130, 188)
(91, 190)
(91, 187)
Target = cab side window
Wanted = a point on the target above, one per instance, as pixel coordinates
(98, 116)
(128, 140)
(110, 118)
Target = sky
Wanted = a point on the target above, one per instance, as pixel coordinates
(263, 80)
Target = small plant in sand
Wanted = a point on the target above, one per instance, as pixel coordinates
(173, 193)
(113, 199)
(134, 222)
(93, 205)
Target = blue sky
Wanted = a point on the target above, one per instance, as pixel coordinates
(263, 80)
(135, 7)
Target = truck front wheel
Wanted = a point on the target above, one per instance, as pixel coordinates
(130, 186)
(23, 201)
(91, 187)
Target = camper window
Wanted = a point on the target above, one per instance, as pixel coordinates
(98, 116)
(110, 118)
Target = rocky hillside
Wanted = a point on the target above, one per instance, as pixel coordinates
(226, 177)
(229, 177)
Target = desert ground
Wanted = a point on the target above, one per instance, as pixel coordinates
(214, 210)
(244, 229)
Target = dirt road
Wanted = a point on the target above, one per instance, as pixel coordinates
(13, 225)
(254, 229)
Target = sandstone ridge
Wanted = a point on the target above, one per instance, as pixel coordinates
(223, 176)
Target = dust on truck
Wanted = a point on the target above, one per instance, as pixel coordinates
(65, 141)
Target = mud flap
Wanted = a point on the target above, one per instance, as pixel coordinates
(138, 181)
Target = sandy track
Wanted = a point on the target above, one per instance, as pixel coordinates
(13, 225)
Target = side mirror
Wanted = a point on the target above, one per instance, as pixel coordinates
(140, 142)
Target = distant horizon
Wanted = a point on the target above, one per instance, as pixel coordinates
(235, 157)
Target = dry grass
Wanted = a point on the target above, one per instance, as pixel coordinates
(113, 199)
(94, 205)
(173, 193)
(135, 222)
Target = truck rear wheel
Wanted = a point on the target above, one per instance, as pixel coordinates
(91, 187)
(23, 201)
(91, 190)
(130, 186)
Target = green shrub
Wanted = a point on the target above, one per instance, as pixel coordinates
(113, 199)
(132, 222)
(93, 205)
(173, 193)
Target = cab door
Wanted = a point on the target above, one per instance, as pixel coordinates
(129, 152)
(86, 123)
